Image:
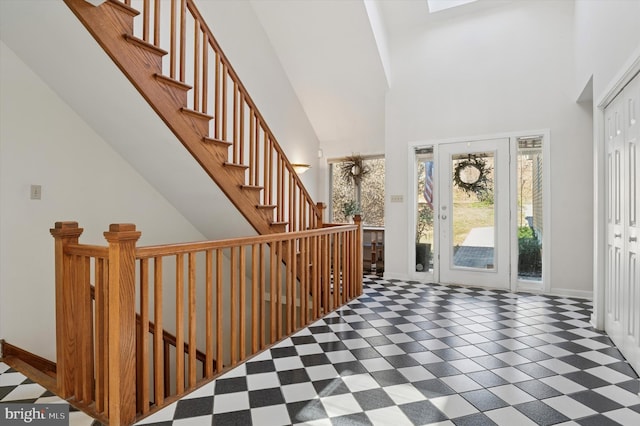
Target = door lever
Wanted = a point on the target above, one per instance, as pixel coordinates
(633, 239)
(617, 235)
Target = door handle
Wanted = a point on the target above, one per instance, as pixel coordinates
(617, 235)
(633, 239)
(444, 216)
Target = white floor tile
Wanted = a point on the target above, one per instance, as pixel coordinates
(569, 407)
(511, 394)
(453, 406)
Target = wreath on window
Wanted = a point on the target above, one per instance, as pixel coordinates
(353, 169)
(472, 175)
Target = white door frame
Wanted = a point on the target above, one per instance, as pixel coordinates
(615, 86)
(515, 283)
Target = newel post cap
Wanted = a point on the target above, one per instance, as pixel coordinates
(66, 229)
(122, 232)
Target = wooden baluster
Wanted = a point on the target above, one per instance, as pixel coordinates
(145, 20)
(255, 298)
(326, 273)
(223, 105)
(289, 262)
(84, 330)
(101, 335)
(172, 41)
(337, 281)
(216, 98)
(280, 189)
(208, 367)
(279, 322)
(196, 67)
(179, 323)
(304, 280)
(321, 212)
(64, 233)
(183, 38)
(234, 307)
(263, 291)
(143, 339)
(273, 295)
(242, 272)
(358, 251)
(122, 322)
(268, 173)
(219, 311)
(192, 319)
(205, 72)
(252, 144)
(240, 119)
(237, 143)
(156, 23)
(167, 368)
(158, 358)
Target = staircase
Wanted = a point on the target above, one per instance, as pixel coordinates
(138, 327)
(170, 55)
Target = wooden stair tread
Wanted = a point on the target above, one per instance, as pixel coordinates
(235, 165)
(172, 82)
(252, 187)
(145, 45)
(124, 8)
(215, 141)
(197, 114)
(266, 206)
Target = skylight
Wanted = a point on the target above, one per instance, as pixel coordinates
(438, 5)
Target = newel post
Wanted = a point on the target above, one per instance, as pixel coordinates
(357, 283)
(121, 316)
(321, 208)
(64, 233)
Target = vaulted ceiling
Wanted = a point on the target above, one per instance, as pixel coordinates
(337, 56)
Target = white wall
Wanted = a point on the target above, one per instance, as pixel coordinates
(607, 37)
(43, 141)
(500, 70)
(607, 33)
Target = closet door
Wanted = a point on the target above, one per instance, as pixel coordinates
(631, 131)
(622, 288)
(614, 117)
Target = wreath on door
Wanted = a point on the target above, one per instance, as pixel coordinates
(472, 175)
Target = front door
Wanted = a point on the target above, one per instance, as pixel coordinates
(474, 213)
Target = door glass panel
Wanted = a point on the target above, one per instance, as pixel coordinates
(529, 215)
(473, 211)
(425, 209)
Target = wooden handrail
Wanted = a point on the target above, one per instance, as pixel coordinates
(250, 292)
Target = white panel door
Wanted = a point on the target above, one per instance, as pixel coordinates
(614, 116)
(622, 289)
(474, 250)
(631, 130)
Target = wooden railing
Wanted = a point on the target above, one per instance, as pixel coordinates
(221, 300)
(196, 60)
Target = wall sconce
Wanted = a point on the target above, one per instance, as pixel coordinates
(300, 168)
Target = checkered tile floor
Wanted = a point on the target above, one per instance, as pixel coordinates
(415, 354)
(16, 388)
(408, 353)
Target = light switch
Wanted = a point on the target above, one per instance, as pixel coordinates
(36, 192)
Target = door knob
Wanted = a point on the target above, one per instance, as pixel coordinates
(617, 235)
(633, 239)
(444, 216)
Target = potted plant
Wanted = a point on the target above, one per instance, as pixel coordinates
(423, 250)
(350, 209)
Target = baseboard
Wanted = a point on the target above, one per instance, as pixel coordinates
(36, 361)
